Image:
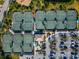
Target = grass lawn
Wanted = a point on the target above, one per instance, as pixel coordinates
(15, 56)
(2, 57)
(1, 2)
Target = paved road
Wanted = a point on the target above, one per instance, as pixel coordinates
(47, 49)
(38, 56)
(57, 45)
(3, 9)
(68, 53)
(26, 56)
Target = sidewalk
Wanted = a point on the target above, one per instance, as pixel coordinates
(3, 9)
(47, 49)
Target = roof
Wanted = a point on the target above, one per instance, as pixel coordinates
(19, 41)
(39, 25)
(28, 38)
(50, 25)
(16, 48)
(71, 25)
(60, 15)
(50, 15)
(7, 48)
(17, 17)
(22, 21)
(7, 38)
(28, 43)
(27, 48)
(25, 22)
(24, 2)
(40, 15)
(28, 17)
(26, 26)
(18, 38)
(16, 26)
(60, 25)
(71, 15)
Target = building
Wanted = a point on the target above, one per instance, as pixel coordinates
(71, 15)
(18, 43)
(71, 19)
(39, 25)
(59, 19)
(60, 15)
(7, 43)
(71, 25)
(28, 44)
(39, 19)
(60, 25)
(50, 22)
(22, 21)
(16, 27)
(40, 16)
(50, 25)
(50, 15)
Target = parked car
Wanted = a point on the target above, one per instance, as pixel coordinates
(62, 45)
(63, 35)
(63, 56)
(51, 38)
(72, 34)
(74, 55)
(52, 55)
(74, 44)
(44, 52)
(44, 46)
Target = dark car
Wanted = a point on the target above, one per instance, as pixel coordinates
(44, 46)
(63, 56)
(51, 38)
(63, 35)
(44, 52)
(52, 55)
(74, 44)
(62, 45)
(74, 55)
(72, 34)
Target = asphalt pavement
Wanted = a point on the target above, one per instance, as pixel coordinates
(3, 9)
(47, 49)
(58, 51)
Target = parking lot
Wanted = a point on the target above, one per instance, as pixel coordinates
(60, 45)
(64, 44)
